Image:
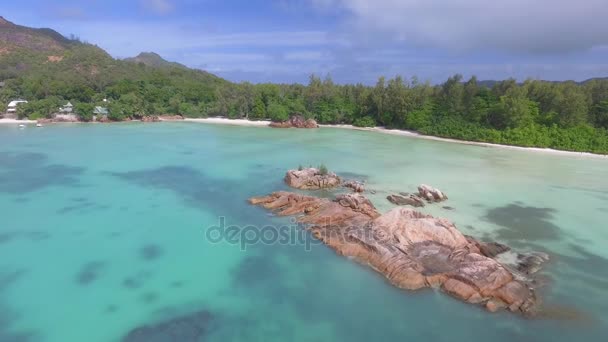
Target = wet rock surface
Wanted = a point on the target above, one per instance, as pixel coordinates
(413, 250)
(295, 121)
(411, 200)
(431, 194)
(311, 179)
(355, 186)
(425, 193)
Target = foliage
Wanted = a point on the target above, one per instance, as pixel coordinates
(364, 122)
(277, 112)
(323, 170)
(84, 110)
(561, 115)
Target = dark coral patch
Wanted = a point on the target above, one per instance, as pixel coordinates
(151, 252)
(524, 222)
(188, 328)
(89, 272)
(137, 280)
(27, 172)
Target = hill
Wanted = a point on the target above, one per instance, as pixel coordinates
(15, 37)
(154, 60)
(47, 69)
(42, 65)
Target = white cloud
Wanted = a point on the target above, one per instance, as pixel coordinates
(127, 38)
(507, 25)
(158, 6)
(304, 56)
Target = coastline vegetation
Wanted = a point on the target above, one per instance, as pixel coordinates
(323, 170)
(561, 115)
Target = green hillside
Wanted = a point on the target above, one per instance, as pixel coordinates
(47, 69)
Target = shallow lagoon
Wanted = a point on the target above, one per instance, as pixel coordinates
(104, 230)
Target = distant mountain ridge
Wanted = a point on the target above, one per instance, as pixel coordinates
(15, 37)
(154, 60)
(38, 52)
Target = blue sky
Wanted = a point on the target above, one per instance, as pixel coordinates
(353, 40)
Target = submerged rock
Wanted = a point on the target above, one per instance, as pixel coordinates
(411, 249)
(413, 200)
(431, 194)
(296, 121)
(189, 328)
(311, 179)
(356, 186)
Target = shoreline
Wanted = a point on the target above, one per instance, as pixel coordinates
(382, 130)
(15, 121)
(465, 142)
(226, 121)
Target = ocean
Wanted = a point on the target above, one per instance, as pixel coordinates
(117, 232)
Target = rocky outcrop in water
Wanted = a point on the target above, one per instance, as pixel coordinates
(431, 194)
(295, 121)
(425, 193)
(411, 249)
(311, 179)
(354, 185)
(412, 200)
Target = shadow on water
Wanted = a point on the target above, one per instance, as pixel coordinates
(197, 190)
(27, 172)
(137, 280)
(8, 316)
(187, 328)
(149, 297)
(89, 272)
(591, 266)
(33, 236)
(151, 252)
(520, 222)
(353, 176)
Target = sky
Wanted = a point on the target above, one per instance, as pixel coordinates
(354, 41)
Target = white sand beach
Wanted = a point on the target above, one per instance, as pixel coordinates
(430, 137)
(265, 123)
(226, 121)
(244, 122)
(14, 121)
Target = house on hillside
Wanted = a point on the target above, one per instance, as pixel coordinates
(66, 109)
(100, 113)
(2, 84)
(12, 106)
(66, 114)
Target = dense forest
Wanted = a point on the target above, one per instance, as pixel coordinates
(561, 115)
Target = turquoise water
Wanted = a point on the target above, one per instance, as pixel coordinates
(103, 230)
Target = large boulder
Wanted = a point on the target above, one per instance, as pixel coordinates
(295, 121)
(412, 250)
(413, 200)
(431, 194)
(150, 118)
(354, 185)
(168, 117)
(311, 179)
